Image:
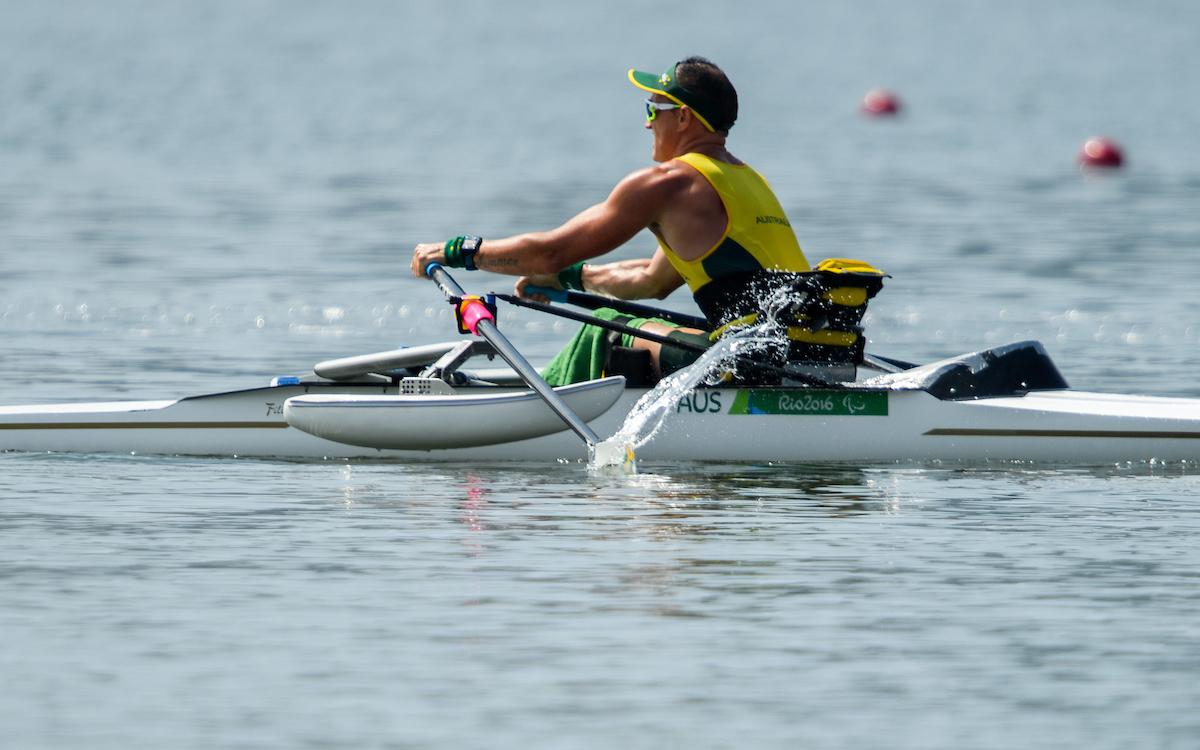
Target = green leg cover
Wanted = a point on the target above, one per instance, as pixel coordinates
(584, 355)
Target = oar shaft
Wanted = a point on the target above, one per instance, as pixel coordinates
(488, 330)
(612, 325)
(596, 301)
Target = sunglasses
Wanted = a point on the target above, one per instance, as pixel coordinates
(653, 108)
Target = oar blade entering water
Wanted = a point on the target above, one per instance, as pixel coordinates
(611, 454)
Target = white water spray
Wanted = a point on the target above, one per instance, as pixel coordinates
(738, 347)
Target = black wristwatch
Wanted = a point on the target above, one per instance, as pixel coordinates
(470, 246)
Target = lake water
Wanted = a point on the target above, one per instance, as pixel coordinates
(199, 196)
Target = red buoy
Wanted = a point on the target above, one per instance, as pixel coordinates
(880, 103)
(1101, 152)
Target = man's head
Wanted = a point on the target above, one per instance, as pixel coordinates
(697, 84)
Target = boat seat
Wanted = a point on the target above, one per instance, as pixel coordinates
(634, 364)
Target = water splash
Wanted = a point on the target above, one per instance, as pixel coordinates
(610, 456)
(740, 347)
(649, 413)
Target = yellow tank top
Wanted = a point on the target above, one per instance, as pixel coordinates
(757, 236)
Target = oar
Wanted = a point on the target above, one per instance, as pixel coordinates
(596, 301)
(612, 325)
(477, 318)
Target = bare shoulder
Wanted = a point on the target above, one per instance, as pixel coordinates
(661, 180)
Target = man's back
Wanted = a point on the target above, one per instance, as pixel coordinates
(694, 222)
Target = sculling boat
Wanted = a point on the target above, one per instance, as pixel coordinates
(422, 404)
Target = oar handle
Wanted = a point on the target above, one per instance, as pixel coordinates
(549, 292)
(444, 280)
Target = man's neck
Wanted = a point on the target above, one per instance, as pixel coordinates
(709, 144)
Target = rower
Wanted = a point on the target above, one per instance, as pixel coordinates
(720, 229)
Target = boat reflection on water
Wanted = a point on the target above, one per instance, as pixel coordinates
(472, 510)
(692, 501)
(742, 542)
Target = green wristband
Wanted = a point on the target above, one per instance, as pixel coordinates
(460, 251)
(453, 252)
(571, 277)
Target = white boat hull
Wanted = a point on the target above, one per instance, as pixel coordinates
(707, 425)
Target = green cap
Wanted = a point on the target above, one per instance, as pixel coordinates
(667, 85)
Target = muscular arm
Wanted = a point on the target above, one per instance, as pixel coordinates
(634, 204)
(654, 277)
(642, 278)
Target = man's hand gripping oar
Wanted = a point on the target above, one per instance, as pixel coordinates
(474, 315)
